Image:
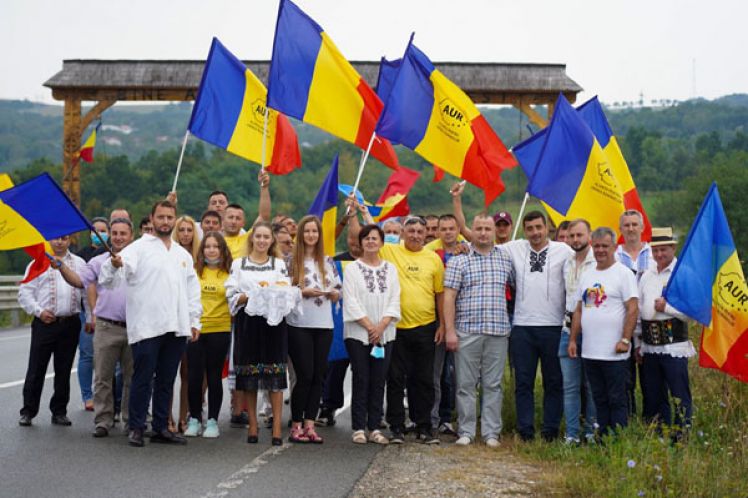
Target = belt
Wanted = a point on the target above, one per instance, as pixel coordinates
(662, 332)
(112, 322)
(65, 318)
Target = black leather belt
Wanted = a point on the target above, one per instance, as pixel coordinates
(662, 332)
(112, 322)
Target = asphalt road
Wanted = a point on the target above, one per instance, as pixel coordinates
(46, 460)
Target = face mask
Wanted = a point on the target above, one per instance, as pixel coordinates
(212, 261)
(98, 239)
(391, 238)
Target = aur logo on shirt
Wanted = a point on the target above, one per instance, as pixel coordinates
(594, 296)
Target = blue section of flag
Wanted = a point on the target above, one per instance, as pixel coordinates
(295, 49)
(327, 197)
(708, 246)
(387, 75)
(220, 97)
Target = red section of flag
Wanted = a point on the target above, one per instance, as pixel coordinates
(438, 174)
(40, 264)
(486, 159)
(87, 154)
(286, 154)
(631, 201)
(399, 182)
(736, 364)
(381, 149)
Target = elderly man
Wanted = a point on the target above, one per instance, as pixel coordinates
(393, 230)
(421, 274)
(606, 313)
(157, 329)
(56, 308)
(571, 368)
(477, 329)
(110, 341)
(538, 317)
(663, 347)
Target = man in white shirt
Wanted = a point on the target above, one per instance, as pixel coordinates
(163, 308)
(635, 255)
(578, 238)
(538, 317)
(662, 345)
(56, 308)
(606, 313)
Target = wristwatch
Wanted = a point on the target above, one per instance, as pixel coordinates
(625, 341)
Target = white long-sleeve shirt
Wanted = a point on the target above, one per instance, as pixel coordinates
(372, 292)
(163, 291)
(651, 286)
(50, 292)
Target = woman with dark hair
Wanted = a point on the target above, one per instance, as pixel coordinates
(371, 307)
(207, 355)
(310, 332)
(260, 349)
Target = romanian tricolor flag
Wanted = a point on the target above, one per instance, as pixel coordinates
(708, 285)
(393, 199)
(573, 175)
(428, 113)
(87, 151)
(229, 112)
(310, 80)
(34, 212)
(528, 153)
(325, 207)
(378, 212)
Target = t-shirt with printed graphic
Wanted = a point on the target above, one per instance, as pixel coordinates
(421, 277)
(603, 294)
(216, 316)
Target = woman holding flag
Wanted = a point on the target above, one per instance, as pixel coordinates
(310, 332)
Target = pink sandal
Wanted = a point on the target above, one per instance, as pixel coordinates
(297, 435)
(312, 436)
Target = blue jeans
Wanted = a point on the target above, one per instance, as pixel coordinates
(157, 356)
(573, 374)
(608, 380)
(527, 345)
(85, 361)
(663, 374)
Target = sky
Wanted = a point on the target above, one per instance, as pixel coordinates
(663, 49)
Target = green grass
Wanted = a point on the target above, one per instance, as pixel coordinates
(712, 461)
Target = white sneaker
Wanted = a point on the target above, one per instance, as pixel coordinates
(492, 442)
(463, 441)
(193, 428)
(211, 428)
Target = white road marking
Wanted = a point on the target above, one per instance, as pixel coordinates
(237, 478)
(20, 382)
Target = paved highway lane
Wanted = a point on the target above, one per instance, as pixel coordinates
(45, 460)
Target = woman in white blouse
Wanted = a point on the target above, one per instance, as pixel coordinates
(260, 349)
(371, 307)
(310, 332)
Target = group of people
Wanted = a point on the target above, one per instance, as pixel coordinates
(428, 308)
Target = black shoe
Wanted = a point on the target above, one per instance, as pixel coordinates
(277, 441)
(549, 437)
(24, 421)
(326, 418)
(135, 438)
(397, 437)
(526, 438)
(61, 420)
(427, 436)
(252, 439)
(240, 421)
(100, 432)
(167, 437)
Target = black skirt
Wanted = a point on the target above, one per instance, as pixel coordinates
(260, 353)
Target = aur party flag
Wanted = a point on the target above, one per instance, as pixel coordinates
(229, 112)
(431, 115)
(708, 285)
(310, 80)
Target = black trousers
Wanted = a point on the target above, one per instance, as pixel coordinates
(412, 358)
(308, 349)
(205, 357)
(333, 396)
(59, 338)
(369, 375)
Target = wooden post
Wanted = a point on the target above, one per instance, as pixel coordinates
(531, 114)
(71, 139)
(551, 105)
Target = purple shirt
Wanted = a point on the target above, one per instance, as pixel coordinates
(110, 303)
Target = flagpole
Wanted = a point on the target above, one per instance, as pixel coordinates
(363, 162)
(181, 157)
(521, 212)
(264, 138)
